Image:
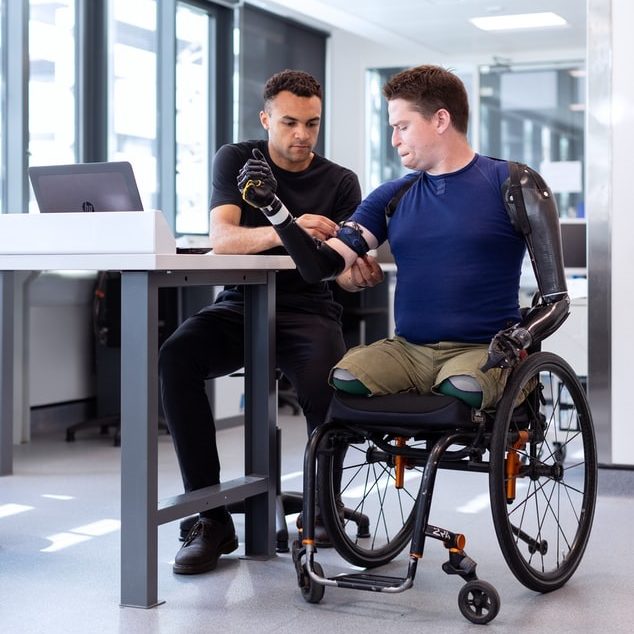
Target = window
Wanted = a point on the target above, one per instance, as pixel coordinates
(173, 89)
(132, 83)
(383, 163)
(52, 93)
(193, 27)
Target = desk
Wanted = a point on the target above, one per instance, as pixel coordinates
(141, 511)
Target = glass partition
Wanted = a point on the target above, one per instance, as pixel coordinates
(535, 114)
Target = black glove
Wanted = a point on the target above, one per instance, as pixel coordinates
(507, 348)
(256, 181)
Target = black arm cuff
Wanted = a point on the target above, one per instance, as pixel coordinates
(350, 234)
(315, 260)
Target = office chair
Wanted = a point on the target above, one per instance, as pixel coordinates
(106, 323)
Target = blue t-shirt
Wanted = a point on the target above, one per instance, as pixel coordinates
(458, 256)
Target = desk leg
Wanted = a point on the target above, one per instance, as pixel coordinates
(139, 452)
(7, 343)
(260, 415)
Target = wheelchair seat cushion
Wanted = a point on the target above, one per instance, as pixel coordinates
(407, 410)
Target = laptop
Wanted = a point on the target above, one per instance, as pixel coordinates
(85, 187)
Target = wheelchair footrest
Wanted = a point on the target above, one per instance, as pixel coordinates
(365, 581)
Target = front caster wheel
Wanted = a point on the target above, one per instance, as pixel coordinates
(312, 592)
(479, 601)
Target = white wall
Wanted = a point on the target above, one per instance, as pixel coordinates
(622, 219)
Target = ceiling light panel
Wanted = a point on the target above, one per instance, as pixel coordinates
(547, 19)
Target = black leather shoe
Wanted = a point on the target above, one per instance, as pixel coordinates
(206, 541)
(186, 525)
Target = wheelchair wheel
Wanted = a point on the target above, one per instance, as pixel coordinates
(479, 601)
(368, 518)
(312, 592)
(543, 472)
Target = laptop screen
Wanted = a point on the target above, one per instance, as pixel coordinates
(85, 187)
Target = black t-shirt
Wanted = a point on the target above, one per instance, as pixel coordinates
(324, 188)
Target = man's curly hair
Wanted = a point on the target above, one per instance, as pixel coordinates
(430, 88)
(297, 82)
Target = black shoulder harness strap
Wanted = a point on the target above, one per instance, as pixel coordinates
(390, 208)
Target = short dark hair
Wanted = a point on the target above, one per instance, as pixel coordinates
(297, 82)
(430, 88)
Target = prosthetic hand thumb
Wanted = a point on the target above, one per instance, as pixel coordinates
(507, 348)
(257, 183)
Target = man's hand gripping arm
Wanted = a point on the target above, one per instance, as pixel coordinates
(315, 260)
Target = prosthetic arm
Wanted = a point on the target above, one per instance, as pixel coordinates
(315, 260)
(532, 210)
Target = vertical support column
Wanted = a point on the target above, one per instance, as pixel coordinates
(21, 356)
(92, 69)
(139, 453)
(599, 205)
(16, 108)
(260, 414)
(166, 107)
(6, 372)
(621, 228)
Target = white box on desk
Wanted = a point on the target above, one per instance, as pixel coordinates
(98, 232)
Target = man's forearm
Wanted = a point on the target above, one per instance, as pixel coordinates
(244, 240)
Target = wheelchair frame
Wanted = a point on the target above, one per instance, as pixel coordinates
(528, 446)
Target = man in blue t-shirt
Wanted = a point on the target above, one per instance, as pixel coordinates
(457, 229)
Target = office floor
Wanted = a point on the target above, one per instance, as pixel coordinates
(59, 558)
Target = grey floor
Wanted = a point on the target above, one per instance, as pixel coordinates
(59, 558)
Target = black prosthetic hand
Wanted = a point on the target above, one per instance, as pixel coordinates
(258, 185)
(507, 348)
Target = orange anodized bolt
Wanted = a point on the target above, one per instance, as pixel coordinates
(512, 465)
(400, 462)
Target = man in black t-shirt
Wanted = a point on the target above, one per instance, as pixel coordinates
(309, 340)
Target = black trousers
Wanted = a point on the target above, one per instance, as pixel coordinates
(210, 344)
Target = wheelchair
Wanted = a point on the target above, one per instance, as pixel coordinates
(373, 464)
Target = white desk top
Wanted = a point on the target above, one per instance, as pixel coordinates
(109, 241)
(143, 262)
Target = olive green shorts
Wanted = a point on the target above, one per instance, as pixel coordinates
(395, 365)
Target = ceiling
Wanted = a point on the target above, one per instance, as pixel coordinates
(443, 25)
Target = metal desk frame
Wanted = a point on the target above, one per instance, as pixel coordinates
(141, 510)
